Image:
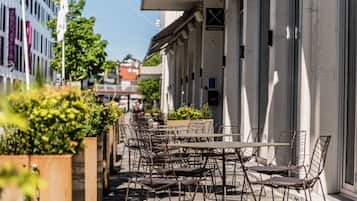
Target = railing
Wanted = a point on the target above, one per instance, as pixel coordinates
(115, 89)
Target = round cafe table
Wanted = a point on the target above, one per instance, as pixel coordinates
(221, 145)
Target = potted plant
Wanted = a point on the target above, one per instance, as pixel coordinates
(186, 115)
(55, 132)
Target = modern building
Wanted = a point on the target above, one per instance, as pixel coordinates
(270, 64)
(129, 70)
(12, 65)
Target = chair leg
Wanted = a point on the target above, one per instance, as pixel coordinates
(305, 193)
(310, 194)
(322, 190)
(127, 192)
(242, 192)
(261, 191)
(284, 194)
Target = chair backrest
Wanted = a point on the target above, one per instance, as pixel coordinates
(318, 157)
(297, 141)
(229, 129)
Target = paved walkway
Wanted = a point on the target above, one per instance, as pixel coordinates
(118, 184)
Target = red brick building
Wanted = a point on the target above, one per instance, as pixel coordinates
(129, 70)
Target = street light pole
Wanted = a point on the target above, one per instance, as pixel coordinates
(27, 69)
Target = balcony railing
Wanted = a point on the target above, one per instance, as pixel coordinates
(115, 89)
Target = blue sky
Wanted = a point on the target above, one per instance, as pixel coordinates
(124, 25)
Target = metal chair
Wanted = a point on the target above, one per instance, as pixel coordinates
(294, 138)
(312, 173)
(153, 157)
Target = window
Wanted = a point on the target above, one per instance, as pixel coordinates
(2, 46)
(212, 83)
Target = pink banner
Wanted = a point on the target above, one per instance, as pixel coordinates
(12, 36)
(29, 42)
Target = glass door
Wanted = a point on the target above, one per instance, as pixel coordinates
(349, 163)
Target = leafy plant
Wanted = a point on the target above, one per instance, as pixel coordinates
(154, 60)
(150, 88)
(206, 112)
(185, 113)
(190, 113)
(26, 181)
(56, 122)
(84, 50)
(153, 111)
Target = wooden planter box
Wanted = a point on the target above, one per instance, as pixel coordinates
(100, 166)
(208, 123)
(84, 174)
(56, 170)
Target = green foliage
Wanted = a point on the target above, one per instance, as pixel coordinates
(153, 111)
(154, 60)
(100, 116)
(150, 88)
(109, 65)
(190, 113)
(26, 181)
(55, 119)
(206, 112)
(9, 120)
(84, 49)
(127, 57)
(185, 113)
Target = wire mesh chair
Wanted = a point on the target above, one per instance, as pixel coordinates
(154, 157)
(295, 137)
(312, 173)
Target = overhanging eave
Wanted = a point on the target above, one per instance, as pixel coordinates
(174, 5)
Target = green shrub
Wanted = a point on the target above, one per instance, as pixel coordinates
(185, 113)
(206, 112)
(153, 111)
(26, 181)
(56, 122)
(190, 113)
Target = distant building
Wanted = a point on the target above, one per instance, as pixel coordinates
(12, 63)
(129, 70)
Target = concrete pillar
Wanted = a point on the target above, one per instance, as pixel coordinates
(231, 101)
(190, 55)
(164, 83)
(177, 94)
(198, 64)
(249, 89)
(212, 58)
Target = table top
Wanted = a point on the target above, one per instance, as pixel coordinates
(226, 145)
(173, 129)
(200, 135)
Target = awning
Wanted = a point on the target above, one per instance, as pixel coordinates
(178, 5)
(163, 39)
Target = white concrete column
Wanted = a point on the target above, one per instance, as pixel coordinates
(231, 103)
(212, 55)
(249, 89)
(164, 83)
(198, 64)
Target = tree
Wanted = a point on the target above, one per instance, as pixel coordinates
(84, 49)
(109, 65)
(150, 89)
(154, 60)
(128, 56)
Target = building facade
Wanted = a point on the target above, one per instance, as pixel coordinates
(269, 64)
(12, 65)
